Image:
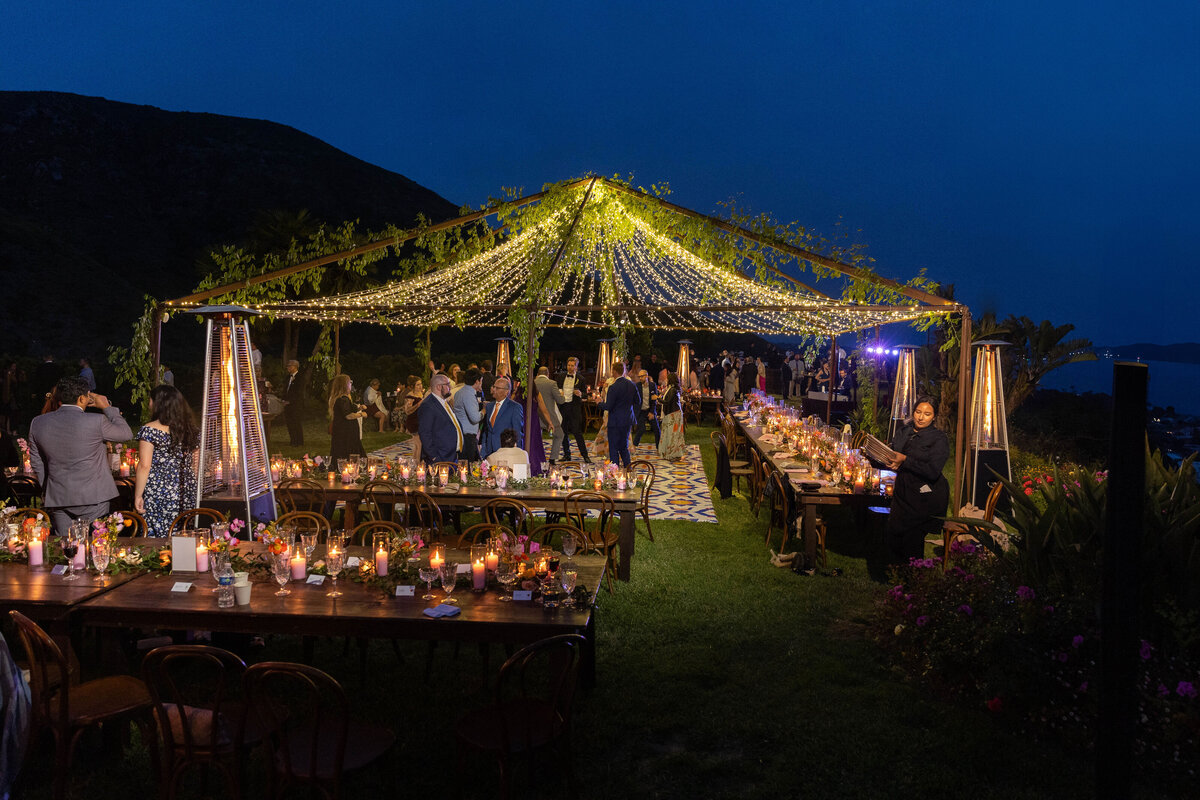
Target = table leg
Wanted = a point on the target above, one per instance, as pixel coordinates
(810, 536)
(626, 543)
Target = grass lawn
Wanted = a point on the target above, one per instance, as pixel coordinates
(720, 676)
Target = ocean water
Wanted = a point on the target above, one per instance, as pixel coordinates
(1170, 383)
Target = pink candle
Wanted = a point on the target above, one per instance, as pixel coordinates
(124, 469)
(381, 562)
(421, 474)
(299, 566)
(462, 474)
(201, 558)
(478, 574)
(493, 560)
(35, 552)
(81, 556)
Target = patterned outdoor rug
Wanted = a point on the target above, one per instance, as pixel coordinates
(680, 489)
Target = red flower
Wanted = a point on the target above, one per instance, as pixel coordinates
(1028, 490)
(995, 705)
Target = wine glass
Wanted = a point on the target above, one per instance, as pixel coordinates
(449, 572)
(335, 559)
(506, 573)
(568, 577)
(569, 545)
(101, 555)
(308, 540)
(281, 570)
(427, 574)
(70, 546)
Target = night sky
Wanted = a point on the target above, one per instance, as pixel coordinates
(1044, 157)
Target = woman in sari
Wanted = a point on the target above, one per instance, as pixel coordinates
(671, 444)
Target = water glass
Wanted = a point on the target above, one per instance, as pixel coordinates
(101, 555)
(281, 570)
(308, 540)
(427, 574)
(335, 560)
(449, 574)
(569, 545)
(568, 577)
(506, 574)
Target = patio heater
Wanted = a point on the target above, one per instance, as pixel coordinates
(234, 473)
(684, 365)
(504, 356)
(604, 362)
(904, 391)
(989, 426)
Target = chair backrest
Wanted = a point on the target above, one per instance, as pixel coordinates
(305, 522)
(539, 678)
(427, 514)
(482, 531)
(645, 469)
(561, 530)
(508, 511)
(125, 489)
(300, 494)
(194, 517)
(857, 440)
(25, 490)
(756, 477)
(135, 524)
(305, 717)
(195, 689)
(718, 442)
(49, 676)
(576, 506)
(382, 497)
(780, 499)
(364, 531)
(993, 499)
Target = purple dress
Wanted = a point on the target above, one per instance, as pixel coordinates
(535, 447)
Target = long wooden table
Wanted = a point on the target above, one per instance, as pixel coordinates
(807, 502)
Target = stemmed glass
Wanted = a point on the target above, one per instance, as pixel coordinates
(449, 572)
(70, 546)
(550, 583)
(569, 545)
(281, 569)
(308, 540)
(427, 574)
(101, 555)
(506, 573)
(335, 559)
(568, 578)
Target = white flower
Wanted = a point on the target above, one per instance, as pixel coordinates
(899, 629)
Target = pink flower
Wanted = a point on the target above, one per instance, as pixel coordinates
(1062, 658)
(965, 609)
(1083, 687)
(1185, 689)
(922, 621)
(1026, 593)
(1077, 641)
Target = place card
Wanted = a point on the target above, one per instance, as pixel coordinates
(406, 591)
(463, 569)
(523, 594)
(352, 562)
(316, 579)
(61, 569)
(181, 586)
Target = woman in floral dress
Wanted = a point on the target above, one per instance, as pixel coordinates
(166, 475)
(672, 441)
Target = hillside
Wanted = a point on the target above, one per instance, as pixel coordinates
(102, 202)
(1180, 353)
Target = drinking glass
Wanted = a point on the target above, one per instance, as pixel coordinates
(101, 555)
(449, 578)
(335, 559)
(70, 546)
(568, 578)
(308, 540)
(281, 569)
(569, 545)
(506, 573)
(427, 574)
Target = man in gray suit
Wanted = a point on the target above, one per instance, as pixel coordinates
(66, 449)
(552, 396)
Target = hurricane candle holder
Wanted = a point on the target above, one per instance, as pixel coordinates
(437, 555)
(381, 547)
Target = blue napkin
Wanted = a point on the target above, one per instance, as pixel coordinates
(442, 610)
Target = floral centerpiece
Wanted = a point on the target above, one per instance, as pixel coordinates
(109, 527)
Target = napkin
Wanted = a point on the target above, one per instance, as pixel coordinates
(442, 610)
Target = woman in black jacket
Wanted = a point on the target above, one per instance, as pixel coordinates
(921, 492)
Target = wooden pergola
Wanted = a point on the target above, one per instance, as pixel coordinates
(714, 298)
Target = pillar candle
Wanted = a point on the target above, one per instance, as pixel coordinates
(421, 474)
(201, 558)
(493, 560)
(478, 574)
(381, 562)
(436, 561)
(35, 552)
(299, 565)
(275, 473)
(124, 469)
(81, 556)
(462, 474)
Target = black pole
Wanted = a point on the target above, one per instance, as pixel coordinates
(1120, 586)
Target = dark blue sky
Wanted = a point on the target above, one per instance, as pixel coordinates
(1044, 157)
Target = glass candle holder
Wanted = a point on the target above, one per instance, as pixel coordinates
(381, 544)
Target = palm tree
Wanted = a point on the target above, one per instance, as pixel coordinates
(1037, 350)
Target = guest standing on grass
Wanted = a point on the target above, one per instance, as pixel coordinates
(165, 484)
(921, 491)
(411, 411)
(621, 402)
(67, 452)
(441, 435)
(345, 434)
(671, 445)
(731, 382)
(469, 412)
(293, 404)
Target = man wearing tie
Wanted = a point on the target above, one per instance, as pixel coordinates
(500, 415)
(621, 403)
(571, 411)
(293, 403)
(441, 435)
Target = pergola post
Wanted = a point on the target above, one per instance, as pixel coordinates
(156, 343)
(961, 433)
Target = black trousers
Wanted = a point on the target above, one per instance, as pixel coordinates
(470, 448)
(643, 419)
(572, 424)
(295, 428)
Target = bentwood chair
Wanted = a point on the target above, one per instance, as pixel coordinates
(383, 498)
(951, 531)
(425, 513)
(482, 531)
(196, 691)
(365, 531)
(602, 538)
(780, 509)
(68, 710)
(530, 713)
(135, 524)
(305, 522)
(194, 517)
(644, 469)
(308, 734)
(511, 512)
(25, 490)
(125, 489)
(300, 494)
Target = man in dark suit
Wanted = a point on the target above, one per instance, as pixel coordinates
(500, 415)
(621, 404)
(716, 377)
(647, 409)
(67, 452)
(293, 403)
(485, 373)
(441, 435)
(571, 410)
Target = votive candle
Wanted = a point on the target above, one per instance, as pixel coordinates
(493, 560)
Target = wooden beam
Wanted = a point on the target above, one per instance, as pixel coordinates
(963, 429)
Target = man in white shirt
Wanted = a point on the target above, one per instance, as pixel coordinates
(469, 412)
(571, 411)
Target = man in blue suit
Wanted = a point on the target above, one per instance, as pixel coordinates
(621, 403)
(441, 436)
(500, 415)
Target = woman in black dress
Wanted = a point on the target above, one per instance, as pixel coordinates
(344, 414)
(921, 492)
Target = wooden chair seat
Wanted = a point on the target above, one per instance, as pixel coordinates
(102, 698)
(365, 742)
(534, 721)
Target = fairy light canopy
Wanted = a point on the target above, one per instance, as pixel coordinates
(595, 260)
